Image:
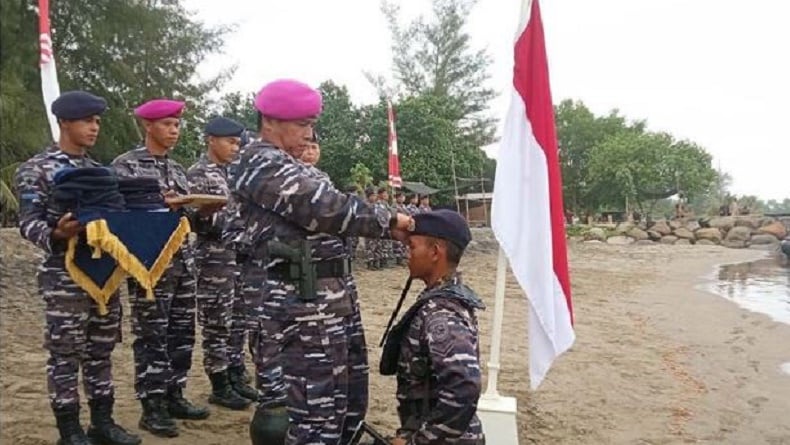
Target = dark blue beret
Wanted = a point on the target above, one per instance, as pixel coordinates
(444, 224)
(72, 174)
(222, 126)
(73, 105)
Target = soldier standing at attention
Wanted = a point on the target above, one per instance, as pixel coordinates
(387, 247)
(75, 335)
(413, 205)
(294, 228)
(373, 246)
(434, 348)
(164, 328)
(425, 204)
(217, 304)
(401, 250)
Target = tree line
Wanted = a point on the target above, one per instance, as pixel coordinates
(129, 51)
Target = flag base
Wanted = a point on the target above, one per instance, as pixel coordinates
(498, 416)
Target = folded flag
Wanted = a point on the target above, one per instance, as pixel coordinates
(123, 219)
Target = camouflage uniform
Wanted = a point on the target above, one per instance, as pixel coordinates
(216, 269)
(306, 348)
(165, 327)
(75, 335)
(401, 249)
(412, 209)
(438, 369)
(385, 253)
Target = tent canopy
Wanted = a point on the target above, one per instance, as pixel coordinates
(419, 188)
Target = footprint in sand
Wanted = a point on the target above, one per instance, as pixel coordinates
(736, 330)
(751, 340)
(757, 402)
(755, 365)
(736, 349)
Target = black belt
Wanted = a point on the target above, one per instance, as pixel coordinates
(323, 269)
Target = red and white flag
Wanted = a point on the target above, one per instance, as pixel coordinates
(392, 149)
(527, 207)
(50, 88)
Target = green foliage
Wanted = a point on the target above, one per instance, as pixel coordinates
(129, 51)
(361, 177)
(608, 161)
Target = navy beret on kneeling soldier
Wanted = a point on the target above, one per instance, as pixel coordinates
(434, 349)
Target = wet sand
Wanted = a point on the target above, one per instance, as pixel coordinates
(657, 360)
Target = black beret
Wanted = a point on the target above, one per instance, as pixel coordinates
(370, 192)
(222, 126)
(399, 193)
(444, 224)
(351, 189)
(74, 105)
(382, 189)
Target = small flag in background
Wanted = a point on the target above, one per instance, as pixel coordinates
(528, 214)
(392, 148)
(50, 88)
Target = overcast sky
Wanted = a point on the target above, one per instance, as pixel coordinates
(713, 71)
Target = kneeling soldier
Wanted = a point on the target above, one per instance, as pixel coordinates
(434, 348)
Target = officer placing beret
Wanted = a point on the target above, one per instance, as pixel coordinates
(293, 225)
(76, 335)
(434, 348)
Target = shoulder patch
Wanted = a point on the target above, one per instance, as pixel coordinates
(438, 329)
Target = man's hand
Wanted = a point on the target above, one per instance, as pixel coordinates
(67, 227)
(404, 225)
(398, 441)
(171, 196)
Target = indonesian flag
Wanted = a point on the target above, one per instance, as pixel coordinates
(392, 148)
(50, 88)
(527, 208)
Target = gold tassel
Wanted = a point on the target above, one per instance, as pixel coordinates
(100, 295)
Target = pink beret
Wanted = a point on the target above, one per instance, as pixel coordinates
(288, 100)
(159, 109)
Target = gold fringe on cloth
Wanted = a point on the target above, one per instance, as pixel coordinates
(101, 295)
(100, 237)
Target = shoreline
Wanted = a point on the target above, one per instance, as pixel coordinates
(656, 359)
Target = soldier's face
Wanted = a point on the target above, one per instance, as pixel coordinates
(224, 148)
(400, 199)
(424, 256)
(311, 154)
(82, 132)
(292, 136)
(165, 131)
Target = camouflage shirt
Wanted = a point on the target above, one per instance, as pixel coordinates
(438, 368)
(140, 162)
(275, 197)
(412, 209)
(209, 178)
(33, 181)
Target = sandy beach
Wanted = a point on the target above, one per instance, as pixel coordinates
(658, 360)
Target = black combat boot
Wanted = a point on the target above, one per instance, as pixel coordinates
(156, 419)
(222, 393)
(238, 385)
(104, 430)
(181, 408)
(68, 420)
(269, 426)
(245, 376)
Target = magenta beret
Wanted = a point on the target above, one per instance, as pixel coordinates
(288, 100)
(159, 109)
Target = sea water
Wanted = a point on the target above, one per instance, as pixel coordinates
(760, 286)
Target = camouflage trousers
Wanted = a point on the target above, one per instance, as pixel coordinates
(77, 336)
(215, 294)
(165, 331)
(250, 283)
(239, 326)
(352, 244)
(318, 369)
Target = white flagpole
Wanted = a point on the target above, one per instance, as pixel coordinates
(50, 88)
(496, 328)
